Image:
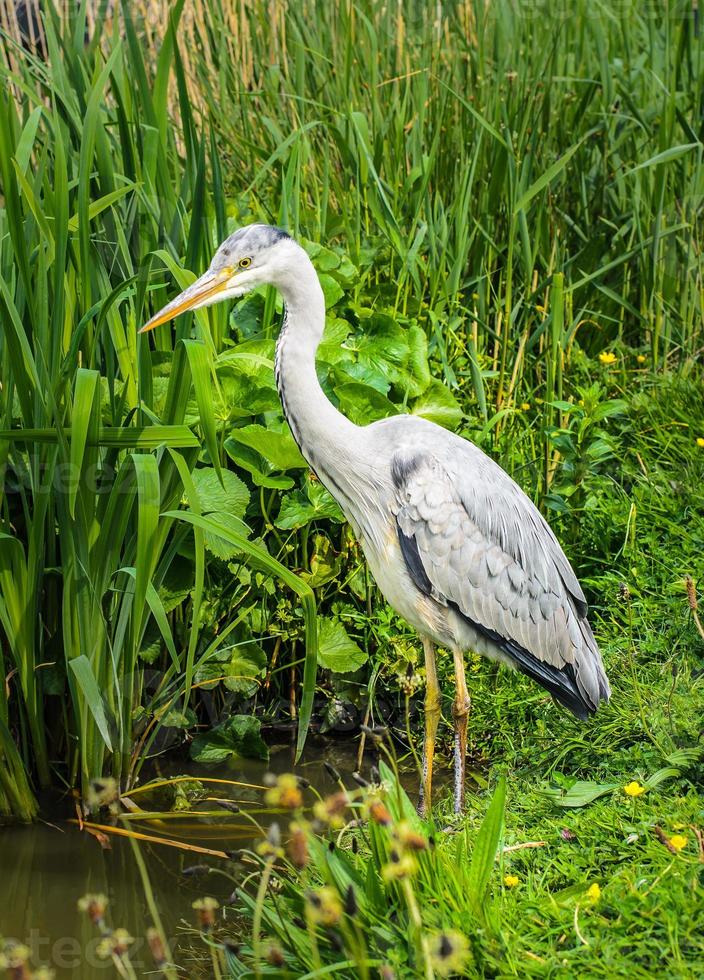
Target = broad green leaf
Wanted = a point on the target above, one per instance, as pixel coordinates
(336, 650)
(230, 496)
(362, 404)
(239, 667)
(277, 447)
(438, 404)
(177, 718)
(299, 508)
(260, 469)
(579, 794)
(325, 563)
(239, 736)
(177, 584)
(332, 290)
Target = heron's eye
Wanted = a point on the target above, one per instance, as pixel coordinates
(245, 263)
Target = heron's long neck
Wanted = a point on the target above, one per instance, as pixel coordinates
(326, 438)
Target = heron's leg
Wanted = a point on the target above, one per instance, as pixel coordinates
(460, 713)
(432, 717)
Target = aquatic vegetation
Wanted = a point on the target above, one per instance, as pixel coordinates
(361, 881)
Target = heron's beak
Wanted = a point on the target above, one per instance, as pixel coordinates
(196, 295)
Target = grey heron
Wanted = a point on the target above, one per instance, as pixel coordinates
(455, 546)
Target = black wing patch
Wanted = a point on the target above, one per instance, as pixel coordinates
(561, 683)
(409, 550)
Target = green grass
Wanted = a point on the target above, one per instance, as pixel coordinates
(494, 196)
(565, 779)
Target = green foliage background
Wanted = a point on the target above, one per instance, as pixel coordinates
(504, 204)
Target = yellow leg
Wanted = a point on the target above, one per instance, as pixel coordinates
(460, 713)
(432, 717)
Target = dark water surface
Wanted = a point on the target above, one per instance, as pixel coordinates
(46, 868)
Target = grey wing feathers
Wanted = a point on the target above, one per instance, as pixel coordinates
(472, 539)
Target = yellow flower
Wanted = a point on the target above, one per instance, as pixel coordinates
(594, 893)
(540, 309)
(700, 442)
(511, 881)
(525, 406)
(678, 841)
(641, 358)
(607, 357)
(634, 789)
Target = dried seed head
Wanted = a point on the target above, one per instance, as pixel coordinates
(297, 845)
(624, 593)
(196, 869)
(351, 907)
(408, 837)
(205, 909)
(94, 905)
(332, 772)
(378, 812)
(324, 907)
(229, 805)
(156, 945)
(330, 811)
(285, 793)
(275, 956)
(691, 592)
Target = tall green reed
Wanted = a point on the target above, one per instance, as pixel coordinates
(481, 149)
(101, 192)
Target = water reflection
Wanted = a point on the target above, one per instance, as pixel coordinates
(46, 868)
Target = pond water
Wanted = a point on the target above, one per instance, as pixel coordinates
(46, 868)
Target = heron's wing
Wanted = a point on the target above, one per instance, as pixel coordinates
(472, 539)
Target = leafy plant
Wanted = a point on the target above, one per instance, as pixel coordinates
(395, 897)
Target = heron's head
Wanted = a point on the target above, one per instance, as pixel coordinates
(253, 256)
